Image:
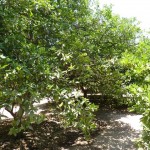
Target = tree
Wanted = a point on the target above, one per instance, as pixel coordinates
(24, 67)
(30, 48)
(94, 52)
(51, 48)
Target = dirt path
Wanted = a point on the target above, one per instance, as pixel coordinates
(119, 131)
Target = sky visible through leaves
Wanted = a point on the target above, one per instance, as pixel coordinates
(131, 8)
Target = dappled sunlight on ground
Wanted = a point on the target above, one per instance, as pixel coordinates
(133, 121)
(116, 130)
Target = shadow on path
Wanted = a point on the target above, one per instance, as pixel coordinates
(117, 131)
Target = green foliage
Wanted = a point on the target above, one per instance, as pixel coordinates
(78, 112)
(94, 53)
(48, 47)
(25, 69)
(137, 74)
(33, 35)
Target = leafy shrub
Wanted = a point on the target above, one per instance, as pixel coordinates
(137, 73)
(78, 112)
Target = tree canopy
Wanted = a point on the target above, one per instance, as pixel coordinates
(52, 48)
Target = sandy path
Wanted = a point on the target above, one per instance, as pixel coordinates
(119, 132)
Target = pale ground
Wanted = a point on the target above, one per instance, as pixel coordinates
(6, 115)
(119, 132)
